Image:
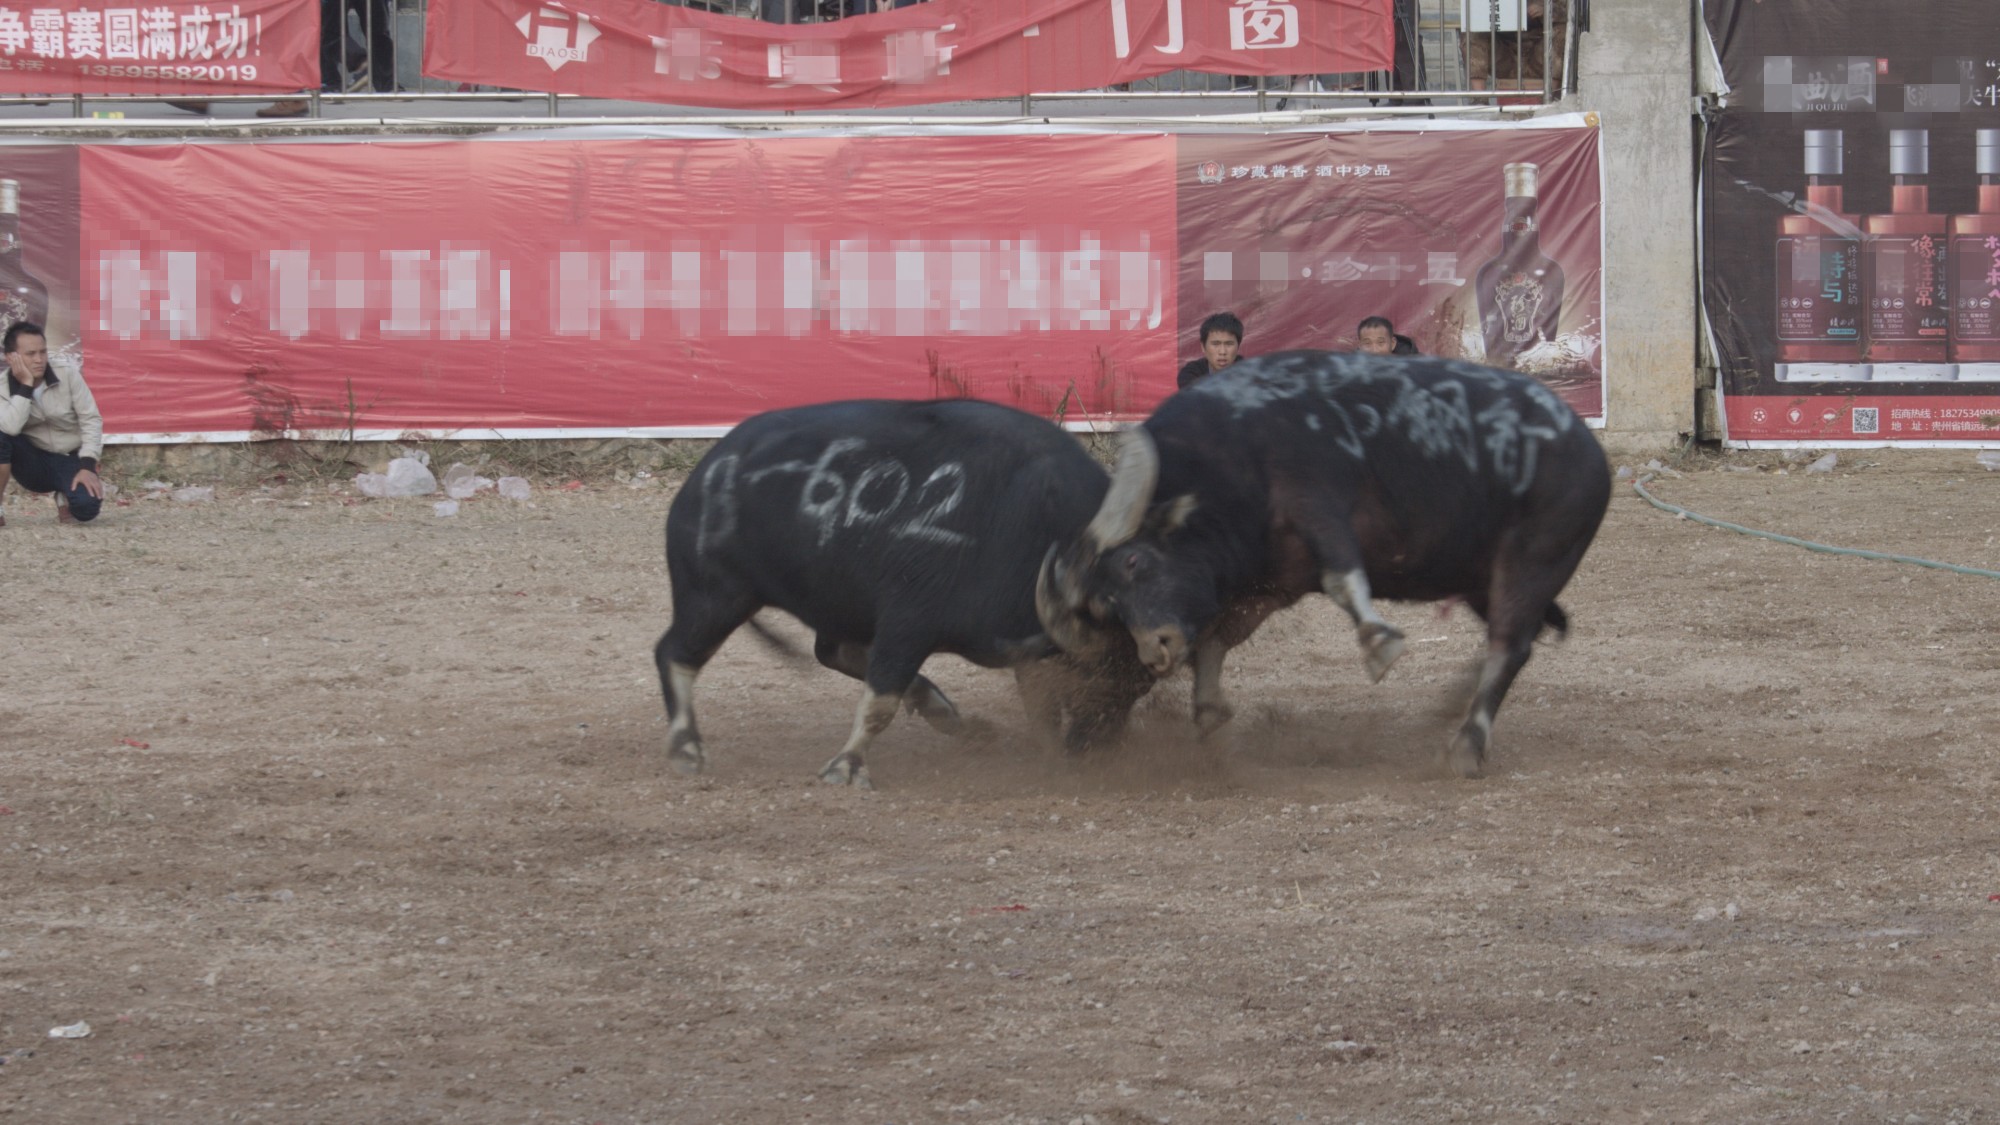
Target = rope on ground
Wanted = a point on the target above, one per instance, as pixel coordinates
(1638, 486)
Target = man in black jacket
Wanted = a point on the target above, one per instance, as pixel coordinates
(1221, 341)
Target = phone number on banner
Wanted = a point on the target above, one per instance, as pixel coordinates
(195, 35)
(233, 72)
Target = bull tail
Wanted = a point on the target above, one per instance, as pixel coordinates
(777, 644)
(1555, 618)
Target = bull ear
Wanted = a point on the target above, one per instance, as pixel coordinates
(1118, 520)
(1171, 516)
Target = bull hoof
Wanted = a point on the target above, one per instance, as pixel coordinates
(1212, 717)
(845, 770)
(1382, 646)
(686, 758)
(1466, 756)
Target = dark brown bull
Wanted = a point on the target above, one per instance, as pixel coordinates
(1358, 476)
(894, 530)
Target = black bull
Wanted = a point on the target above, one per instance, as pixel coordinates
(893, 530)
(1355, 475)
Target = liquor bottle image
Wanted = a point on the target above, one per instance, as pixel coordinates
(22, 295)
(1819, 274)
(1975, 267)
(1520, 289)
(1903, 271)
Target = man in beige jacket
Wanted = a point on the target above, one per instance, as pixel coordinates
(50, 430)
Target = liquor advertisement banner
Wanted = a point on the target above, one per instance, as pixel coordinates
(1483, 243)
(675, 284)
(663, 285)
(1851, 222)
(38, 244)
(166, 47)
(944, 50)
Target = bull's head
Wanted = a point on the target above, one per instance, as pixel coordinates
(1119, 572)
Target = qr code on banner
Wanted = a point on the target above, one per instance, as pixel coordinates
(1867, 419)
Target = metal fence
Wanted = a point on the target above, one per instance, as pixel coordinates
(371, 62)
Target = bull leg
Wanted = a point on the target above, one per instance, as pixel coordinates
(1343, 578)
(1518, 603)
(924, 697)
(871, 718)
(891, 675)
(1211, 707)
(1381, 642)
(687, 645)
(1466, 755)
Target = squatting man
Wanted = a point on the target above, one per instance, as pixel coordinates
(50, 431)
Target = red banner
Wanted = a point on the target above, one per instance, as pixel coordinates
(1971, 414)
(168, 47)
(1477, 243)
(944, 50)
(621, 285)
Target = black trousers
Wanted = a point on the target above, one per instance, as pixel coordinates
(38, 470)
(333, 41)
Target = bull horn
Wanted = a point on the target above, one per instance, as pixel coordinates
(1056, 604)
(1117, 521)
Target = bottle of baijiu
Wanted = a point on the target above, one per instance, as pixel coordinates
(25, 297)
(1520, 289)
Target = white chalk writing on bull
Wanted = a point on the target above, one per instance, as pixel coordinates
(718, 503)
(950, 476)
(830, 502)
(825, 490)
(1512, 443)
(1344, 434)
(857, 512)
(1436, 419)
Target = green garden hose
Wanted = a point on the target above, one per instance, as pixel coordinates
(1638, 486)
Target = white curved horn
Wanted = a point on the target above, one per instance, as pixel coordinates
(1118, 519)
(1056, 605)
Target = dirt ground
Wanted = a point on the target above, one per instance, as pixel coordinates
(329, 810)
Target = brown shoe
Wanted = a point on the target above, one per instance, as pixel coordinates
(290, 107)
(190, 106)
(62, 511)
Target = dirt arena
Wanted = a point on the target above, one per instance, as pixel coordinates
(330, 810)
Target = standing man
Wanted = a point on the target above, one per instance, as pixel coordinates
(50, 430)
(1221, 344)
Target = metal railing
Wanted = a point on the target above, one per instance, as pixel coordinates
(372, 62)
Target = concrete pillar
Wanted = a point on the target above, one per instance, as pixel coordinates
(1635, 70)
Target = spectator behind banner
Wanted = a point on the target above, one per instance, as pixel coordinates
(50, 430)
(1221, 345)
(337, 52)
(1377, 336)
(817, 11)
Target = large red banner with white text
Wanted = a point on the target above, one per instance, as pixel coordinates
(162, 47)
(944, 50)
(621, 284)
(675, 285)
